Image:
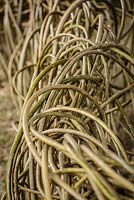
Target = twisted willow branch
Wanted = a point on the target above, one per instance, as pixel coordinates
(72, 72)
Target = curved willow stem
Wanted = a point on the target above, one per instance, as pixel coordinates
(72, 76)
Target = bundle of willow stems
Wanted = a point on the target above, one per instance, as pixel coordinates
(70, 65)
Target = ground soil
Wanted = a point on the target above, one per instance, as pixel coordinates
(7, 132)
